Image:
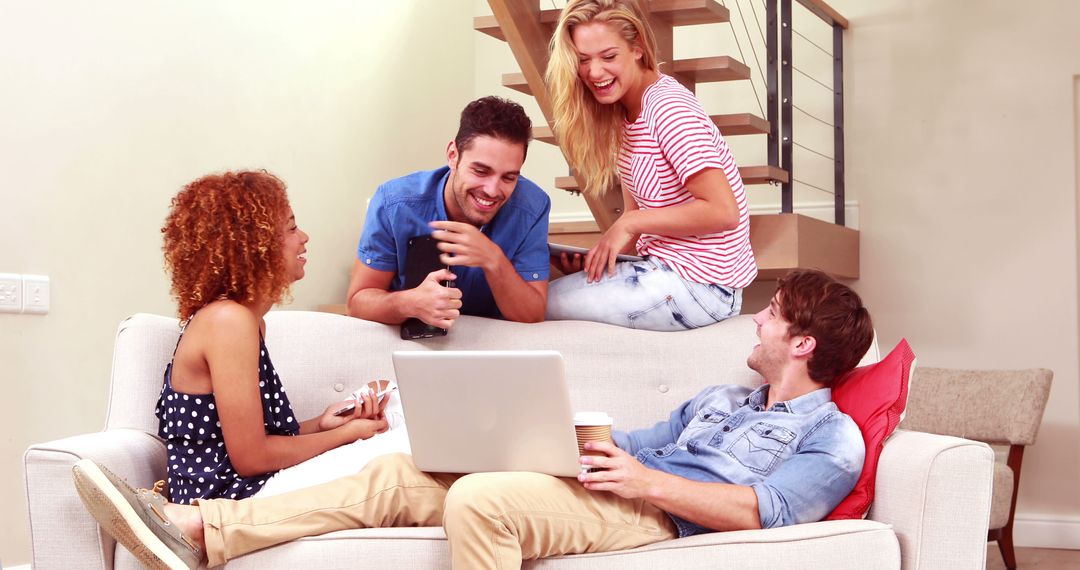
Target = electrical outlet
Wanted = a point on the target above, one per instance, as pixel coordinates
(11, 294)
(35, 294)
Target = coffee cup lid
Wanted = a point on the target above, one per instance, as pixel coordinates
(592, 419)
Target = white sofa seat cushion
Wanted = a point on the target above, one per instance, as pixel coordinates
(849, 544)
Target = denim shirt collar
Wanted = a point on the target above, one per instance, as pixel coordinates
(802, 405)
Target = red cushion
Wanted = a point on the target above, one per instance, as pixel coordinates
(874, 396)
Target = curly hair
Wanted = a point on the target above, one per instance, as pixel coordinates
(223, 240)
(817, 305)
(494, 117)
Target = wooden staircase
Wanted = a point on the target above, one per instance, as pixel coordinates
(781, 241)
(729, 125)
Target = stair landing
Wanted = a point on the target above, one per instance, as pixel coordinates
(781, 242)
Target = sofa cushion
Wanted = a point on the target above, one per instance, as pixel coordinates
(875, 397)
(315, 352)
(835, 545)
(1002, 498)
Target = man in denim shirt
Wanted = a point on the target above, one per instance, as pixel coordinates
(734, 458)
(729, 459)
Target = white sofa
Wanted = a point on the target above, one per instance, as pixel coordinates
(933, 492)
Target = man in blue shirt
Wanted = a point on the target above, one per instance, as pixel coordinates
(490, 222)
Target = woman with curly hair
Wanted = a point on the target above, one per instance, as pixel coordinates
(620, 120)
(233, 248)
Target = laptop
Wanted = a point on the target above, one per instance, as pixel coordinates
(482, 411)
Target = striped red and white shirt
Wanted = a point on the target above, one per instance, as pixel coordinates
(671, 140)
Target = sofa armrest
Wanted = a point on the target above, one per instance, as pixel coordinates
(935, 491)
(62, 532)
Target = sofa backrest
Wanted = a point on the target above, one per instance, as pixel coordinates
(636, 376)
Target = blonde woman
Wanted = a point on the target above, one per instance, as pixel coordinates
(620, 120)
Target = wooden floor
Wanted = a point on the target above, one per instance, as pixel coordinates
(1041, 558)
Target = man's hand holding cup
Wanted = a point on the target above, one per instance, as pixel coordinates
(591, 427)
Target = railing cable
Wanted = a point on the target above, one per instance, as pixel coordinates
(812, 116)
(812, 78)
(760, 66)
(742, 56)
(808, 149)
(811, 42)
(805, 183)
(757, 20)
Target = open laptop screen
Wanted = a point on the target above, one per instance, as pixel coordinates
(480, 411)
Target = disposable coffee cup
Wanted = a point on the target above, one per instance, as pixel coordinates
(592, 426)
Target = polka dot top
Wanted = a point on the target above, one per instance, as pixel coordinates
(199, 465)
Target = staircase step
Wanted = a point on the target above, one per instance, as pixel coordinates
(517, 82)
(490, 26)
(729, 125)
(689, 12)
(696, 70)
(763, 175)
(781, 242)
(709, 69)
(543, 134)
(675, 12)
(750, 175)
(740, 124)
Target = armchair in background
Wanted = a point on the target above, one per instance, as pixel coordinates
(998, 407)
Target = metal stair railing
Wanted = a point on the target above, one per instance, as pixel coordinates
(781, 106)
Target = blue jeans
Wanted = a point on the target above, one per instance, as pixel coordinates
(643, 294)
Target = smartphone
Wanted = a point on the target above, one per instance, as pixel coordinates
(421, 258)
(348, 408)
(414, 328)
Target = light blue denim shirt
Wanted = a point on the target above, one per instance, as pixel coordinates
(801, 457)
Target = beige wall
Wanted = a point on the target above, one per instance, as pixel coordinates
(961, 147)
(107, 108)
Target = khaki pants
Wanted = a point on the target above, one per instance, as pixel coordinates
(492, 520)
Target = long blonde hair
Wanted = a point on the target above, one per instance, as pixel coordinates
(590, 132)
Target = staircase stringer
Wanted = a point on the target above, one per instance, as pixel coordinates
(520, 23)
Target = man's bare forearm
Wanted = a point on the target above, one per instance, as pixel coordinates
(717, 506)
(518, 300)
(388, 307)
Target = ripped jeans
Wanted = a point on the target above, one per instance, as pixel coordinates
(644, 294)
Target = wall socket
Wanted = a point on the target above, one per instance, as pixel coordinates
(35, 294)
(11, 293)
(24, 293)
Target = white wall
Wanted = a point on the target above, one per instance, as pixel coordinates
(106, 109)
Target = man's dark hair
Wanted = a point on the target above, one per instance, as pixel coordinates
(819, 306)
(494, 117)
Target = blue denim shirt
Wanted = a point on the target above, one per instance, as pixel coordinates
(402, 208)
(801, 457)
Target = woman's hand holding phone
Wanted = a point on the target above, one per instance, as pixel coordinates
(365, 404)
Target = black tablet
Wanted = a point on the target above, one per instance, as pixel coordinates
(421, 258)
